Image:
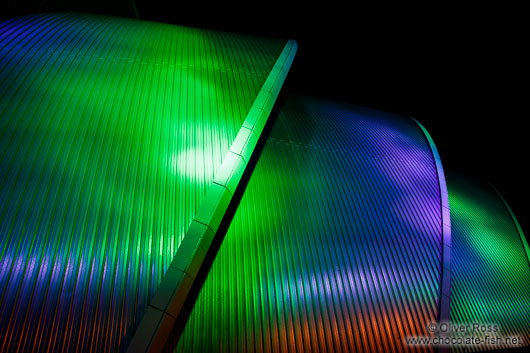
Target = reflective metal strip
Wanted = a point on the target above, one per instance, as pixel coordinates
(165, 307)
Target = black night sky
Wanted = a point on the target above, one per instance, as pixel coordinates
(458, 70)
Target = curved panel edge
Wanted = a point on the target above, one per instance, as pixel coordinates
(444, 303)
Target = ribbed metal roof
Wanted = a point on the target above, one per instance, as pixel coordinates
(111, 133)
(336, 243)
(491, 270)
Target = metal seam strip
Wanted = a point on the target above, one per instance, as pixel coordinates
(444, 303)
(153, 332)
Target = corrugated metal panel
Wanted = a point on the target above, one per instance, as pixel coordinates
(167, 307)
(111, 131)
(491, 273)
(336, 243)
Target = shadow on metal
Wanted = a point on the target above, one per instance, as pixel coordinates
(223, 228)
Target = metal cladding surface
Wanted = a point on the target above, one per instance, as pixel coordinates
(336, 243)
(165, 309)
(111, 131)
(491, 272)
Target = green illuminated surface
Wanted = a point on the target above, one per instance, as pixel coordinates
(111, 131)
(491, 274)
(164, 312)
(336, 243)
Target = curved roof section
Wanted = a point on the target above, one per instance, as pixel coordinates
(111, 133)
(336, 243)
(491, 272)
(444, 301)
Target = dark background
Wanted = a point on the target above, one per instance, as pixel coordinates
(457, 69)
